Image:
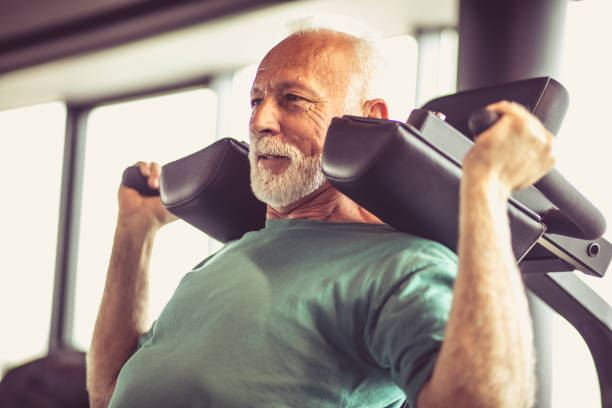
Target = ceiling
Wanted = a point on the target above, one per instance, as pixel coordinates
(183, 55)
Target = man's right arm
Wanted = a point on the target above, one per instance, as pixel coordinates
(122, 317)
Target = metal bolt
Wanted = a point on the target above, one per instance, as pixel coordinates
(440, 115)
(593, 249)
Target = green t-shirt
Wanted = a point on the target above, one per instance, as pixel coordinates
(299, 314)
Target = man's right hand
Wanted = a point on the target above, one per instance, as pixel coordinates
(141, 211)
(123, 310)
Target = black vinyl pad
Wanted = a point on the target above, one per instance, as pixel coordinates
(211, 190)
(406, 174)
(544, 97)
(390, 169)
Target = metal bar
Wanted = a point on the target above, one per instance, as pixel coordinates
(528, 266)
(587, 312)
(580, 253)
(68, 229)
(502, 41)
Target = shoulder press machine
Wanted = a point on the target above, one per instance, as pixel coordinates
(408, 174)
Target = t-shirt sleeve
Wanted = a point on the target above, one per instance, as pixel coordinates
(408, 314)
(146, 336)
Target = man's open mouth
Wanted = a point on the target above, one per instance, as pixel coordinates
(271, 156)
(273, 162)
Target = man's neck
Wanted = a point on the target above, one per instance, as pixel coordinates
(324, 204)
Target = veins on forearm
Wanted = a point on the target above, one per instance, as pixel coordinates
(488, 341)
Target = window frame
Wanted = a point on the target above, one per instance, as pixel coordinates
(64, 285)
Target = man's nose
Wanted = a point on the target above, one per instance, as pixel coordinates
(265, 118)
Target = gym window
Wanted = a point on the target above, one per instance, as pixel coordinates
(31, 168)
(160, 129)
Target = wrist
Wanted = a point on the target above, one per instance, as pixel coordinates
(137, 225)
(484, 184)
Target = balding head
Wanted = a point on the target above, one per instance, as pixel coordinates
(350, 64)
(301, 84)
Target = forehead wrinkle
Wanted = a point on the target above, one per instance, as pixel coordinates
(291, 83)
(287, 78)
(327, 60)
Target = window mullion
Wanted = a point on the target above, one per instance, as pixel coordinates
(60, 331)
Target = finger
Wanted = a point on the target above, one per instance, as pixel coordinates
(144, 167)
(503, 104)
(531, 124)
(155, 175)
(508, 112)
(552, 145)
(521, 118)
(537, 128)
(515, 115)
(498, 126)
(508, 107)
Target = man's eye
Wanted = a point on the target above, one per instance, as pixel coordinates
(293, 98)
(255, 102)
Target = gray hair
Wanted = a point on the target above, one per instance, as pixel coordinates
(367, 83)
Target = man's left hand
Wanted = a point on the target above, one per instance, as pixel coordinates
(517, 150)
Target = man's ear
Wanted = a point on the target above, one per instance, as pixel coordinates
(375, 108)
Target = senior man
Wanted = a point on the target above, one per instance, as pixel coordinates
(327, 306)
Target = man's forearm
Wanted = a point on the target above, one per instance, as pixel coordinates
(487, 358)
(122, 316)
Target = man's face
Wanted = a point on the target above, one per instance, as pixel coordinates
(300, 86)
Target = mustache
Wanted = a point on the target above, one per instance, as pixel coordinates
(274, 147)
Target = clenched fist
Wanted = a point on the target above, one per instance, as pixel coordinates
(142, 211)
(516, 151)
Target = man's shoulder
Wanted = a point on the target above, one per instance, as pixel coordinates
(321, 240)
(404, 242)
(382, 244)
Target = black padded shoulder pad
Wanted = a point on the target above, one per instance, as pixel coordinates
(544, 97)
(211, 190)
(396, 173)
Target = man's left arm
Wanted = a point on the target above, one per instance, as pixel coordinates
(487, 357)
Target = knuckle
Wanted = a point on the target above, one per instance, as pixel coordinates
(553, 161)
(519, 108)
(524, 122)
(553, 151)
(502, 106)
(519, 123)
(548, 152)
(144, 167)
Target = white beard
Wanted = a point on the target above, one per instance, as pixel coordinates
(303, 176)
